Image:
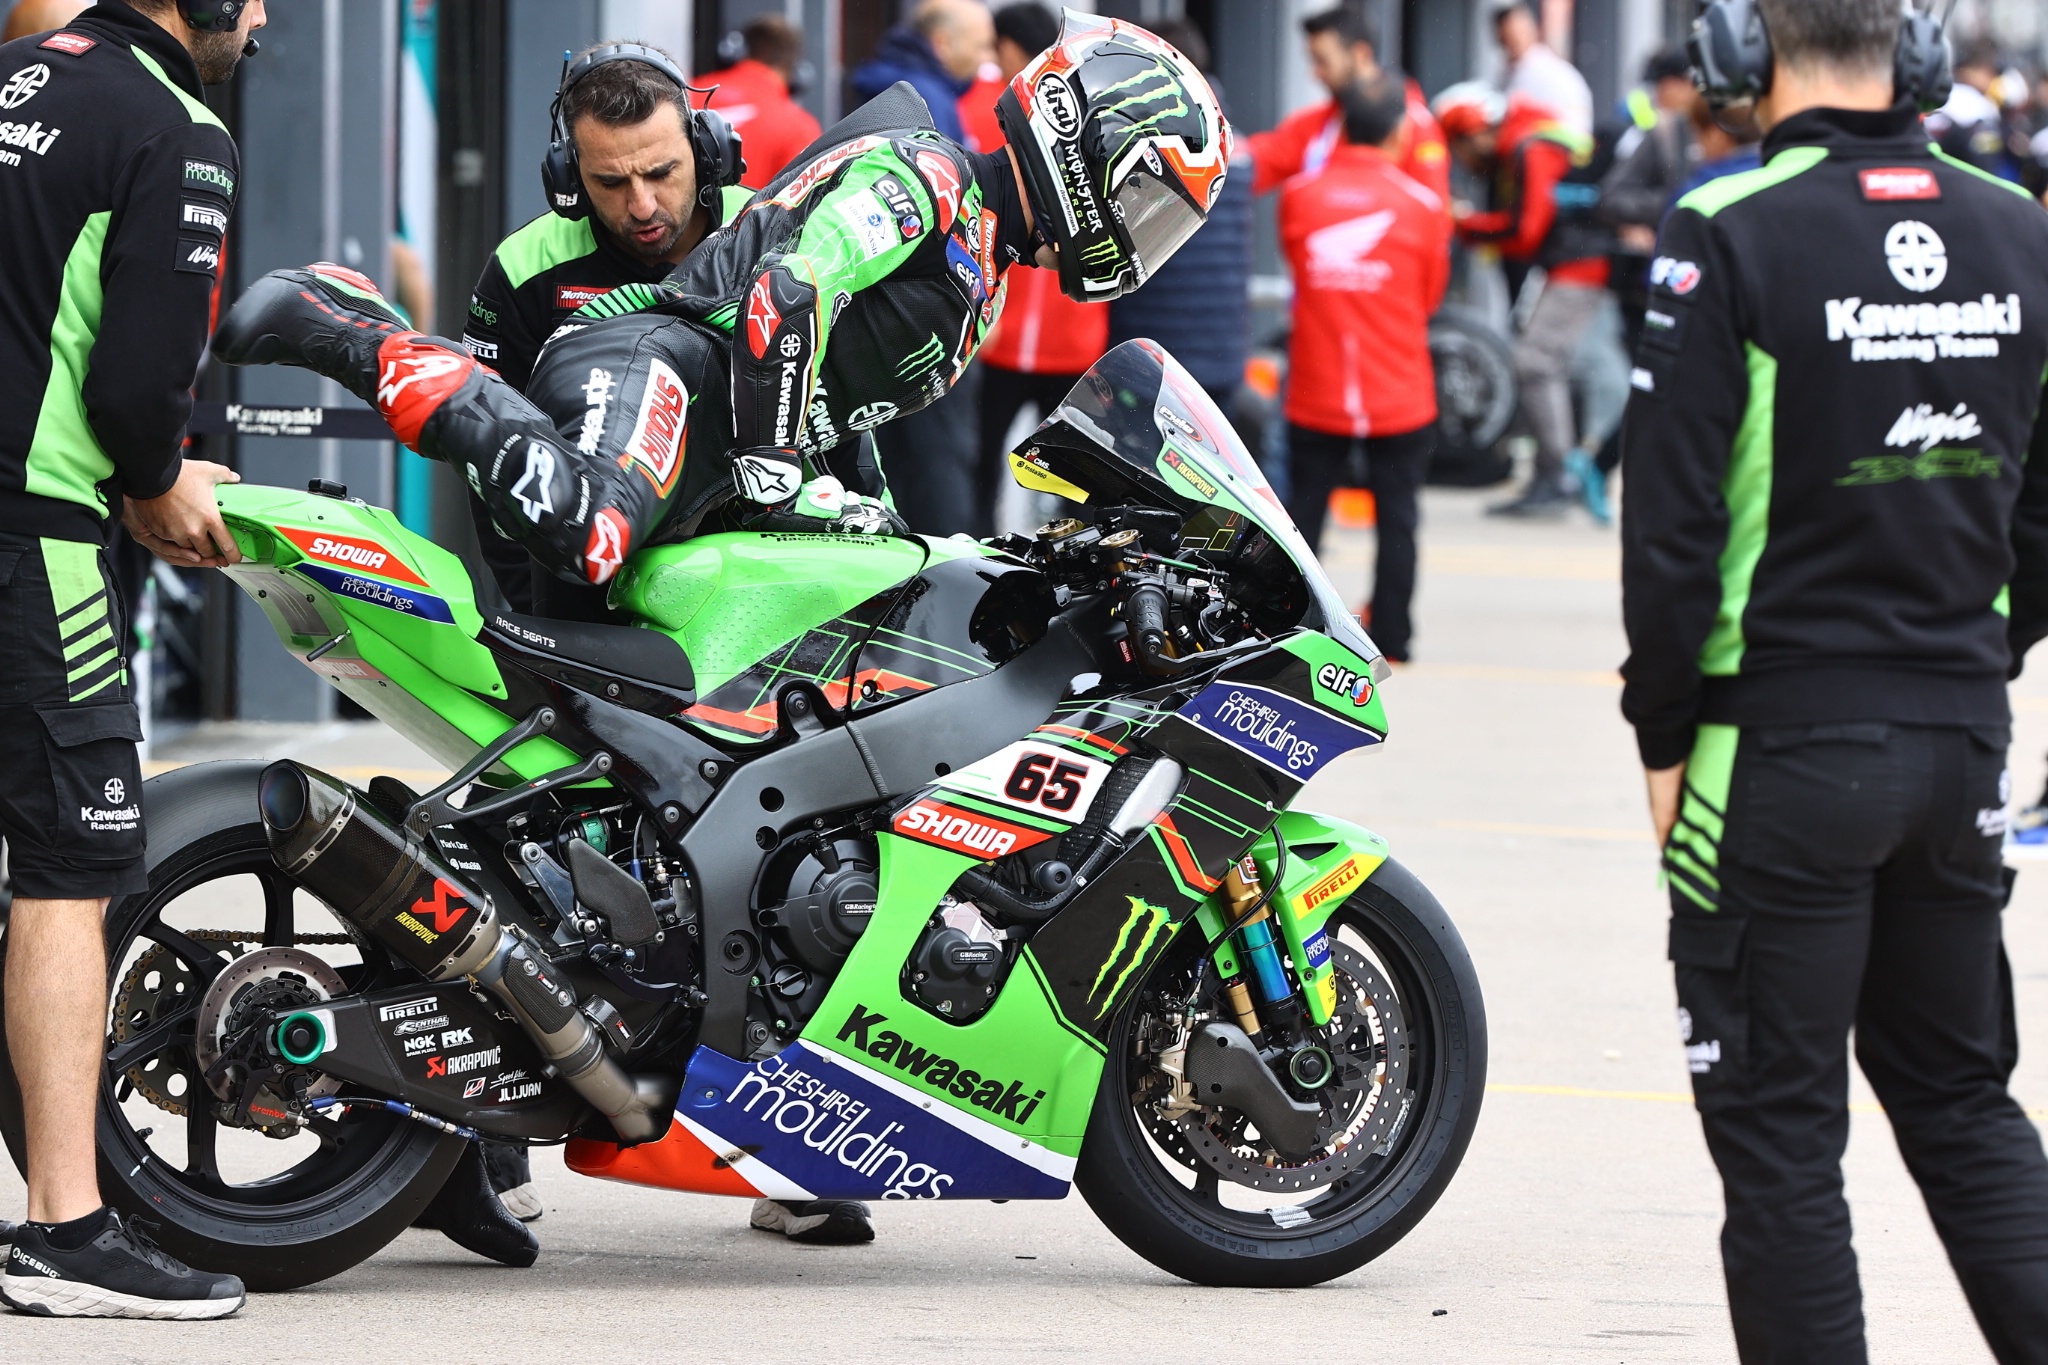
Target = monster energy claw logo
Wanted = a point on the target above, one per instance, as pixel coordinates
(1142, 928)
(1151, 87)
(931, 353)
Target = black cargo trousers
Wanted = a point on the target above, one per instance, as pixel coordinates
(1826, 878)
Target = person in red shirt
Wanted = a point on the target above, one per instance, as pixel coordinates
(1370, 250)
(754, 95)
(1044, 340)
(1522, 152)
(1342, 51)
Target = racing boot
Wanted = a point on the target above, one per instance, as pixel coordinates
(817, 1222)
(331, 320)
(468, 1213)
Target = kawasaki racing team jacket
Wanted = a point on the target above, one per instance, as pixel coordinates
(1835, 504)
(116, 184)
(541, 275)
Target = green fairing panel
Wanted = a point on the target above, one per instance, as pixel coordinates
(1021, 1039)
(731, 599)
(1327, 860)
(320, 567)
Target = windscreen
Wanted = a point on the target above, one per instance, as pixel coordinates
(1167, 443)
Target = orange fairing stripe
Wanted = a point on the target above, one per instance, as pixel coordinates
(678, 1161)
(1184, 857)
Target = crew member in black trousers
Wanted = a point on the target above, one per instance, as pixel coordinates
(1394, 468)
(1834, 553)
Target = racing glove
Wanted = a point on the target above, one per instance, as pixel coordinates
(823, 504)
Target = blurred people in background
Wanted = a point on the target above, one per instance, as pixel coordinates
(1727, 150)
(1342, 48)
(1370, 250)
(1521, 152)
(939, 51)
(1537, 73)
(1971, 126)
(1198, 305)
(41, 16)
(1044, 340)
(754, 95)
(1652, 158)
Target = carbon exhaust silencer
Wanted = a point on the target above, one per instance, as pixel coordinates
(332, 841)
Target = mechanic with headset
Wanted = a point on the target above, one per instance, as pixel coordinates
(1835, 552)
(116, 184)
(635, 179)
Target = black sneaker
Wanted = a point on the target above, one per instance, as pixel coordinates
(511, 1175)
(322, 317)
(819, 1222)
(115, 1272)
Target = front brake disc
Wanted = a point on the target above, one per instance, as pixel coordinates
(1364, 1104)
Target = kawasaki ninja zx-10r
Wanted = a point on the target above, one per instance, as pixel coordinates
(859, 867)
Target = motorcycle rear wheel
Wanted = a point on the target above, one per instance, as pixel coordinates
(1170, 1207)
(372, 1171)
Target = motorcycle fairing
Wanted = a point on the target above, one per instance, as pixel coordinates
(364, 629)
(1249, 741)
(994, 1108)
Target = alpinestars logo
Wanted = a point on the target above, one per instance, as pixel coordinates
(939, 173)
(534, 489)
(1006, 1100)
(606, 548)
(767, 481)
(656, 444)
(763, 317)
(403, 372)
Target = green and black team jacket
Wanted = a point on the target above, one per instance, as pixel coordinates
(116, 184)
(541, 275)
(1835, 497)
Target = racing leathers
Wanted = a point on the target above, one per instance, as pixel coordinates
(852, 289)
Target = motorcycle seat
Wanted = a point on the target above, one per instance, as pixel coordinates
(627, 652)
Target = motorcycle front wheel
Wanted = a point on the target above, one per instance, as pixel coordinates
(1197, 1192)
(280, 1208)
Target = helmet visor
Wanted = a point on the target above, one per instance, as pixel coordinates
(1156, 221)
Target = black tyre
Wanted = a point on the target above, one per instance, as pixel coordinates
(1475, 397)
(1194, 1195)
(279, 1211)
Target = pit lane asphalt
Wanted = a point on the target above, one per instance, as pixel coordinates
(1582, 1226)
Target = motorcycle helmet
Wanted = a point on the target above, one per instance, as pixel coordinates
(1123, 147)
(1468, 108)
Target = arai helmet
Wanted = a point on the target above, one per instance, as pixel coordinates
(1123, 147)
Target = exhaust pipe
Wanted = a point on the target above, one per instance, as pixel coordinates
(400, 892)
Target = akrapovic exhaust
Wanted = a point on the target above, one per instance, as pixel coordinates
(400, 892)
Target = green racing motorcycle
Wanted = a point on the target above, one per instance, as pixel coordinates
(854, 867)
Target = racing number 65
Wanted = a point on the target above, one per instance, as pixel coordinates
(1044, 780)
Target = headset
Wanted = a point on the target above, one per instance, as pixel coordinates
(217, 16)
(714, 146)
(1731, 57)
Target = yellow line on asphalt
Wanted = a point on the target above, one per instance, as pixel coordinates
(1577, 1092)
(1545, 831)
